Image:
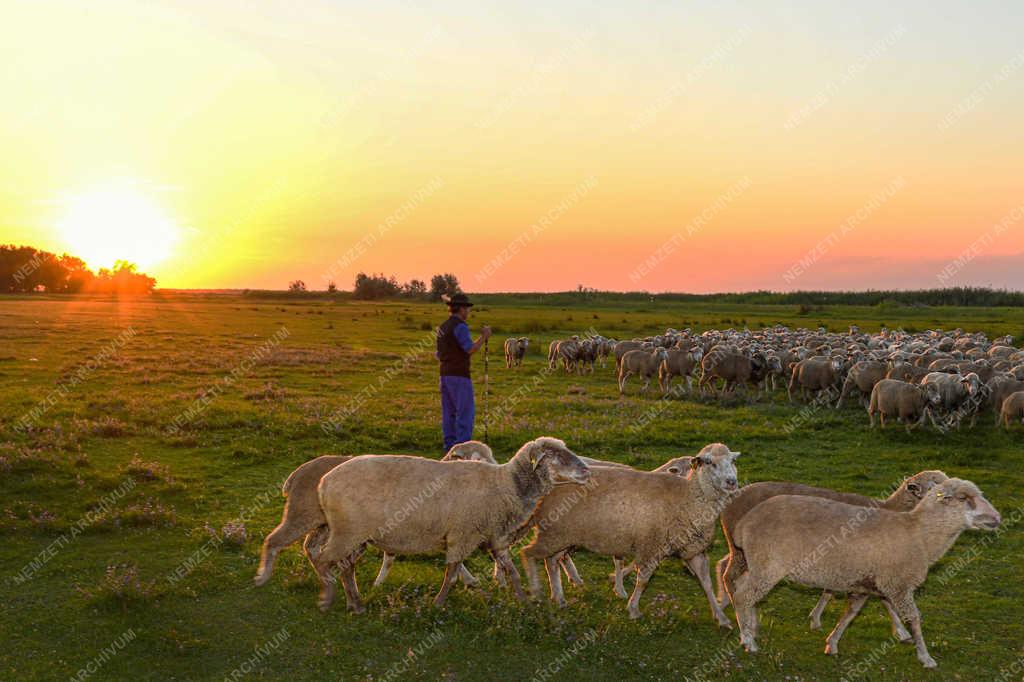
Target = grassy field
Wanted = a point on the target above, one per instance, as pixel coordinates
(156, 423)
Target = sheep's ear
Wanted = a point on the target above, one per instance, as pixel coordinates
(674, 469)
(733, 455)
(536, 457)
(914, 489)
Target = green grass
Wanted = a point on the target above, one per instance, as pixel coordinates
(109, 577)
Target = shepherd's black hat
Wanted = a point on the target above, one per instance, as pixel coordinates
(459, 301)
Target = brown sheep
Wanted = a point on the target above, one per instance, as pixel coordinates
(640, 362)
(815, 375)
(909, 403)
(862, 378)
(727, 363)
(1013, 409)
(679, 362)
(515, 351)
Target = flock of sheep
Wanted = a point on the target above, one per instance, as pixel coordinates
(944, 377)
(828, 540)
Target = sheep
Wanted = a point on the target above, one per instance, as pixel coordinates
(815, 374)
(552, 354)
(904, 498)
(995, 391)
(862, 377)
(907, 372)
(621, 348)
(567, 351)
(1013, 409)
(668, 516)
(679, 362)
(726, 363)
(411, 505)
(515, 350)
(954, 392)
(302, 514)
(640, 362)
(905, 401)
(840, 547)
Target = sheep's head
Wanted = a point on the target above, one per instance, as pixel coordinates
(678, 466)
(971, 383)
(556, 463)
(959, 497)
(524, 342)
(696, 353)
(715, 466)
(471, 450)
(913, 489)
(932, 393)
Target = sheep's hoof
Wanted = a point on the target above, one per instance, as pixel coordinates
(634, 614)
(724, 623)
(621, 594)
(831, 649)
(815, 624)
(903, 636)
(261, 579)
(324, 606)
(927, 661)
(561, 603)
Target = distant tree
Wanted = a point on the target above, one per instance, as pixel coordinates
(370, 287)
(443, 286)
(332, 288)
(297, 286)
(123, 278)
(415, 288)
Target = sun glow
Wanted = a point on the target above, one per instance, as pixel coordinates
(117, 221)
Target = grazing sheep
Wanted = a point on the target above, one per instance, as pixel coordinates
(995, 391)
(1013, 409)
(640, 362)
(679, 362)
(839, 547)
(668, 516)
(904, 498)
(302, 514)
(909, 403)
(411, 505)
(862, 377)
(515, 350)
(568, 351)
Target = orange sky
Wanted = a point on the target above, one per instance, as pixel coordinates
(683, 147)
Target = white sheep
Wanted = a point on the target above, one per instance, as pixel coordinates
(830, 545)
(411, 505)
(667, 516)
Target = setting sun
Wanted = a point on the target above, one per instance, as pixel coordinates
(117, 221)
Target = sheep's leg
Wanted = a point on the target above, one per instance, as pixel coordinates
(467, 578)
(619, 589)
(819, 608)
(511, 573)
(909, 613)
(723, 595)
(279, 538)
(644, 571)
(451, 574)
(334, 550)
(499, 573)
(555, 580)
(853, 607)
(530, 567)
(699, 565)
(898, 631)
(747, 591)
(385, 568)
(348, 582)
(566, 562)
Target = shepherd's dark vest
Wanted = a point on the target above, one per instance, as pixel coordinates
(454, 360)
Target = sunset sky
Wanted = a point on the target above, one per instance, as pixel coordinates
(683, 146)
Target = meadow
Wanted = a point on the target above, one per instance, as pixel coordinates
(144, 442)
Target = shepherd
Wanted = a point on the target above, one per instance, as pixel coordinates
(454, 347)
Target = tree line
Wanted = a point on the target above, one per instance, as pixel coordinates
(24, 269)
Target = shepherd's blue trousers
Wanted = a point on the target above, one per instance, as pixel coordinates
(457, 410)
